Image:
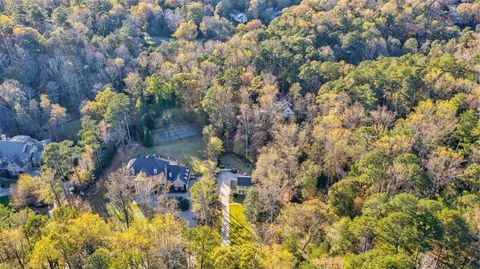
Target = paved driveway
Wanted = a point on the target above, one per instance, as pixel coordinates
(223, 184)
(188, 216)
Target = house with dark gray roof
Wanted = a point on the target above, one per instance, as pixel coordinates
(20, 154)
(177, 175)
(241, 185)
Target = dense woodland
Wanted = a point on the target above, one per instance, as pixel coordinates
(378, 166)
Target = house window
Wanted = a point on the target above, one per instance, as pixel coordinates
(155, 171)
(170, 174)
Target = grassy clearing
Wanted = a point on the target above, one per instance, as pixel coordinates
(239, 225)
(232, 161)
(69, 130)
(183, 150)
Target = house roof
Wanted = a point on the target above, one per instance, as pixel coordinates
(23, 138)
(19, 163)
(9, 149)
(21, 147)
(178, 172)
(15, 151)
(20, 151)
(148, 164)
(244, 181)
(37, 156)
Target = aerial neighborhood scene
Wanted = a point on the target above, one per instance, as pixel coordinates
(239, 134)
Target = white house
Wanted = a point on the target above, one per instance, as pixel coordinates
(239, 16)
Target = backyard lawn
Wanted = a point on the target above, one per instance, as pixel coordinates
(70, 129)
(239, 227)
(232, 161)
(183, 150)
(117, 216)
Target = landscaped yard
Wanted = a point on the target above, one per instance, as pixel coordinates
(232, 161)
(240, 230)
(182, 150)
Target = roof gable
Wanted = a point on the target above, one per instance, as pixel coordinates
(148, 165)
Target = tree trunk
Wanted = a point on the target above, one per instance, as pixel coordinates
(57, 198)
(19, 260)
(437, 260)
(307, 242)
(129, 138)
(125, 212)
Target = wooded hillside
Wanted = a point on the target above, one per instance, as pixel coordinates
(361, 119)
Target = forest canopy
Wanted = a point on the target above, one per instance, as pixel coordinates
(361, 120)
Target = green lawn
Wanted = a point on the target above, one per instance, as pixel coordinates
(4, 200)
(239, 227)
(69, 130)
(232, 161)
(72, 128)
(115, 214)
(183, 150)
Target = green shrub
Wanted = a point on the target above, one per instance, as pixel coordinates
(147, 137)
(183, 204)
